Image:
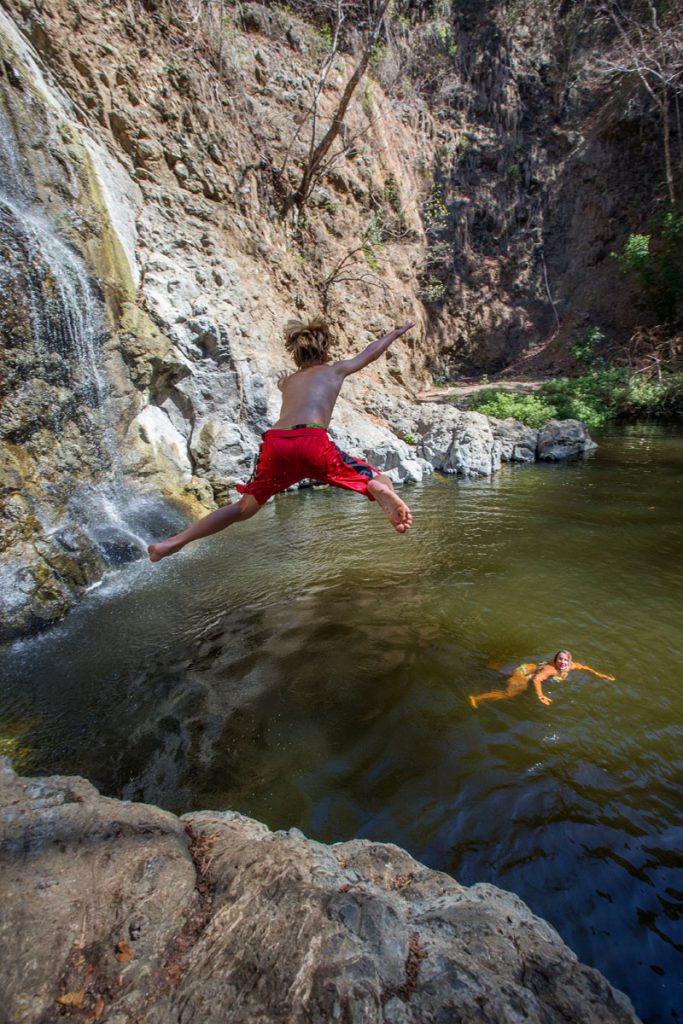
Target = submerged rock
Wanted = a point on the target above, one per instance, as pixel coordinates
(125, 911)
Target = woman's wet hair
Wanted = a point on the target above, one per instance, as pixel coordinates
(308, 343)
(563, 651)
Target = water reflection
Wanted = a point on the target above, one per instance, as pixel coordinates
(311, 668)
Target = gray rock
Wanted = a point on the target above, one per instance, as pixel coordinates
(517, 442)
(129, 912)
(469, 444)
(435, 428)
(563, 439)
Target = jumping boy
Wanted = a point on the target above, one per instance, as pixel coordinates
(297, 446)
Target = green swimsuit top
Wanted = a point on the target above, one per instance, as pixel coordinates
(529, 669)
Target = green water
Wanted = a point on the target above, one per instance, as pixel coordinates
(311, 668)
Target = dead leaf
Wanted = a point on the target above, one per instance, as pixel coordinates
(174, 973)
(99, 1007)
(123, 952)
(75, 999)
(399, 882)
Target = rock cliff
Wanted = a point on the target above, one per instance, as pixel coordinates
(122, 912)
(147, 269)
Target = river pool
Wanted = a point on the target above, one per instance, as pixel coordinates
(311, 668)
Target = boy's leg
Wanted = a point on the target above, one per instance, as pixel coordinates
(396, 510)
(216, 521)
(347, 471)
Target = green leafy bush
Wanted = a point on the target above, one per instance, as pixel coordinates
(595, 399)
(657, 260)
(635, 256)
(654, 397)
(609, 394)
(531, 410)
(583, 350)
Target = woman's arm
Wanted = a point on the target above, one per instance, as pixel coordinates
(540, 677)
(587, 668)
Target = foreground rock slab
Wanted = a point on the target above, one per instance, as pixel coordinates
(124, 913)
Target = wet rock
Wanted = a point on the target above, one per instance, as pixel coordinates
(73, 555)
(213, 917)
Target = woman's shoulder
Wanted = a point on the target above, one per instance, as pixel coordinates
(528, 667)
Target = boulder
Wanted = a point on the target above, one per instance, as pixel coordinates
(563, 439)
(517, 443)
(157, 447)
(120, 911)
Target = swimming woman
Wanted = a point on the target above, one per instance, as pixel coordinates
(556, 670)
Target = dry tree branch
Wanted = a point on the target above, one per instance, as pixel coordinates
(318, 151)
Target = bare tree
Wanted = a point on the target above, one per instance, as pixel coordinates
(360, 264)
(316, 165)
(650, 48)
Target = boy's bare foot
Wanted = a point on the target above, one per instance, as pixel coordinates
(393, 507)
(167, 547)
(473, 702)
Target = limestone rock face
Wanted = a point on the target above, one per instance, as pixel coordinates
(124, 912)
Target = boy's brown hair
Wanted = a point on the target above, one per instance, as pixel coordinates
(309, 343)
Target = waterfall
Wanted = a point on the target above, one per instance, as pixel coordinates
(52, 319)
(62, 309)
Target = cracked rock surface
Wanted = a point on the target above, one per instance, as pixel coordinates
(123, 912)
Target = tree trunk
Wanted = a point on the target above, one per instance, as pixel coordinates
(319, 152)
(667, 145)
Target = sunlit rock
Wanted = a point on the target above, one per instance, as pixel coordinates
(131, 912)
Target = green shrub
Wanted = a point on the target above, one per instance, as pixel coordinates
(434, 209)
(635, 256)
(657, 260)
(583, 350)
(610, 394)
(654, 397)
(531, 410)
(594, 398)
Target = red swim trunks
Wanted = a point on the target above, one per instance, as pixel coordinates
(304, 453)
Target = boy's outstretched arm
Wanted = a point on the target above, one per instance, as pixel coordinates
(587, 668)
(372, 352)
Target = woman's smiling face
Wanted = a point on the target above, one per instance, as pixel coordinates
(563, 661)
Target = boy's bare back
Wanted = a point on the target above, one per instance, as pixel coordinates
(309, 394)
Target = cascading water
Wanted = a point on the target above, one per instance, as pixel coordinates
(53, 325)
(64, 312)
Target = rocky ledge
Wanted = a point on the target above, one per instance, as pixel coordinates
(121, 912)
